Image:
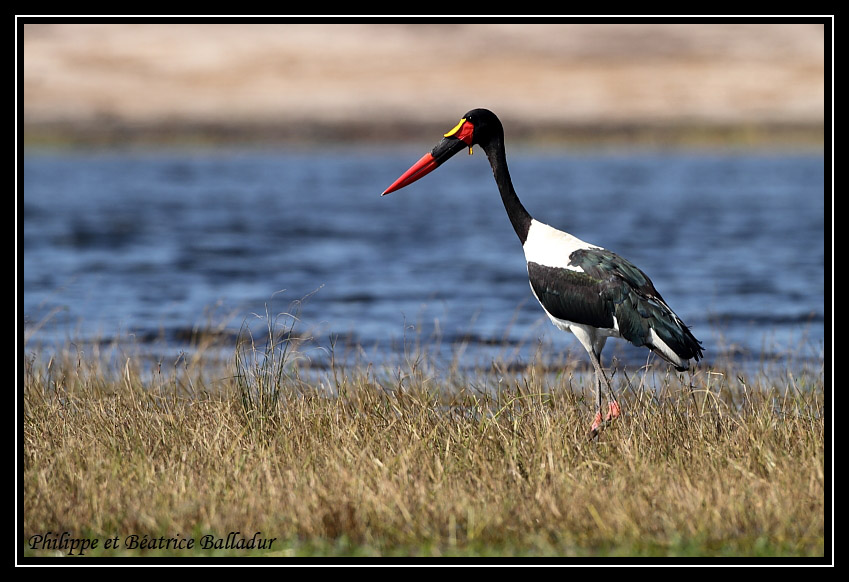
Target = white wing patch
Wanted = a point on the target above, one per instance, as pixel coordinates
(551, 247)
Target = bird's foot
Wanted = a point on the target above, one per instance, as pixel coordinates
(597, 423)
(596, 427)
(614, 411)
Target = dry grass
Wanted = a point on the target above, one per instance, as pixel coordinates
(399, 461)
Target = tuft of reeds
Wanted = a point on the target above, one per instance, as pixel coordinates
(263, 372)
(411, 460)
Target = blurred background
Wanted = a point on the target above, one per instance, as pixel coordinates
(319, 81)
(180, 174)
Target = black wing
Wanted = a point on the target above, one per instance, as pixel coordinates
(608, 286)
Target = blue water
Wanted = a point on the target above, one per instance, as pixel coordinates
(145, 246)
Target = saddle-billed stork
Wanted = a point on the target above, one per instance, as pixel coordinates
(583, 288)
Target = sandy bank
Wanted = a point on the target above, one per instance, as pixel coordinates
(355, 80)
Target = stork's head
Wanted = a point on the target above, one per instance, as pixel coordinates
(478, 126)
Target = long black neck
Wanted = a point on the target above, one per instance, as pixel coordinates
(519, 217)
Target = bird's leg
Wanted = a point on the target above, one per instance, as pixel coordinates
(613, 409)
(597, 421)
(599, 375)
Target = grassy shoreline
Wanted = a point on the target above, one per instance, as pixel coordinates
(403, 461)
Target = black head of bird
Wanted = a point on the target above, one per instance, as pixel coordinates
(477, 127)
